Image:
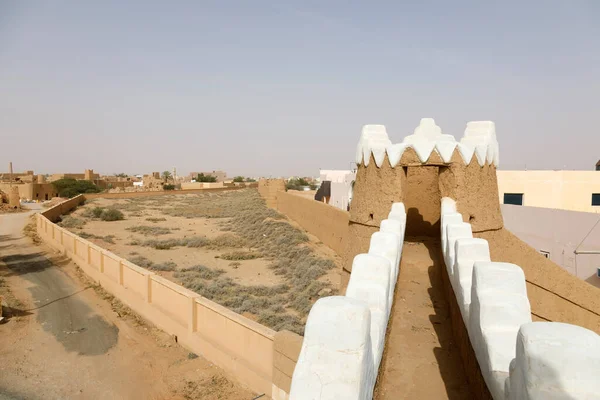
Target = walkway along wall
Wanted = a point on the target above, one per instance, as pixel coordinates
(242, 347)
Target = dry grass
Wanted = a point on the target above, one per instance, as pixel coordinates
(252, 231)
(30, 230)
(219, 242)
(266, 231)
(155, 220)
(146, 263)
(106, 238)
(149, 230)
(240, 255)
(71, 222)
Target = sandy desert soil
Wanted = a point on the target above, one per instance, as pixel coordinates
(64, 338)
(227, 246)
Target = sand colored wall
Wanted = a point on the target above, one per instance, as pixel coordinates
(566, 190)
(328, 223)
(286, 349)
(554, 294)
(268, 189)
(242, 347)
(201, 185)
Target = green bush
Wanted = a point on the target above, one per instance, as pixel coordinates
(68, 187)
(168, 187)
(296, 184)
(111, 214)
(205, 178)
(238, 179)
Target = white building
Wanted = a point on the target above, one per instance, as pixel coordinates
(341, 184)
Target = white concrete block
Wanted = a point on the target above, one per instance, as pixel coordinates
(370, 282)
(454, 232)
(450, 218)
(499, 306)
(555, 361)
(467, 251)
(448, 205)
(398, 212)
(445, 149)
(376, 298)
(396, 226)
(385, 244)
(503, 277)
(335, 361)
(395, 152)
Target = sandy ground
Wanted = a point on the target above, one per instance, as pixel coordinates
(421, 360)
(61, 339)
(250, 272)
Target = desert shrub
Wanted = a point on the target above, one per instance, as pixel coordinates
(95, 212)
(146, 263)
(68, 187)
(164, 266)
(199, 272)
(238, 179)
(168, 187)
(141, 261)
(196, 241)
(226, 240)
(72, 222)
(149, 230)
(235, 264)
(155, 220)
(111, 214)
(241, 255)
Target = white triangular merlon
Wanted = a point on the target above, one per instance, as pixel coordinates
(466, 152)
(423, 148)
(481, 153)
(378, 155)
(395, 152)
(479, 139)
(445, 150)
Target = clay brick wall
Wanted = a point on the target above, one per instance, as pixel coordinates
(328, 223)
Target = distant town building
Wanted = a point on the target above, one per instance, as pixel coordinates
(336, 187)
(221, 176)
(564, 190)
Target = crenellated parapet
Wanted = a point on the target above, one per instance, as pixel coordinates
(426, 166)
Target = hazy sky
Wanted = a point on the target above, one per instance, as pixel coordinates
(280, 87)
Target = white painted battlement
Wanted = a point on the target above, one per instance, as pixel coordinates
(479, 139)
(518, 358)
(344, 336)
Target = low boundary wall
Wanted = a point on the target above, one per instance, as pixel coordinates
(240, 346)
(326, 222)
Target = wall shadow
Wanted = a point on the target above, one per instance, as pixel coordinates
(448, 354)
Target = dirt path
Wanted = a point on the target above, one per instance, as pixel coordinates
(62, 340)
(420, 359)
